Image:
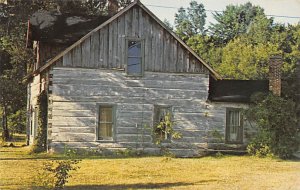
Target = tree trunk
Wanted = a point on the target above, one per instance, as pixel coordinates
(5, 133)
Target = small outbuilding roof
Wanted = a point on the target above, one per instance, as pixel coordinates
(236, 90)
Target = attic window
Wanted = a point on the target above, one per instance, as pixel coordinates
(134, 57)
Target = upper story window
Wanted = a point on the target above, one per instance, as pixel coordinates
(135, 57)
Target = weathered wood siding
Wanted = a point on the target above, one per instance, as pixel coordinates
(48, 51)
(34, 89)
(216, 117)
(106, 48)
(75, 93)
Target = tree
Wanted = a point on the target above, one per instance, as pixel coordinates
(241, 60)
(191, 22)
(204, 46)
(10, 101)
(13, 68)
(168, 24)
(234, 21)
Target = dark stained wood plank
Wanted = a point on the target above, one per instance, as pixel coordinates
(86, 53)
(95, 49)
(121, 42)
(110, 45)
(106, 47)
(128, 23)
(115, 49)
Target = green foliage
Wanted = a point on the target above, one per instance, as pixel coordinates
(16, 60)
(55, 174)
(191, 22)
(165, 129)
(204, 45)
(40, 143)
(259, 146)
(17, 121)
(168, 24)
(234, 21)
(277, 121)
(242, 41)
(219, 155)
(10, 100)
(163, 132)
(242, 60)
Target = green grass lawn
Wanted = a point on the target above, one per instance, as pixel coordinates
(18, 169)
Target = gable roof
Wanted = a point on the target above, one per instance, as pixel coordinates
(213, 73)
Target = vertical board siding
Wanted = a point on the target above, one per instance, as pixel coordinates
(48, 51)
(106, 47)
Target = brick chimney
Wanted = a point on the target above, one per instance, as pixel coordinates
(275, 74)
(113, 7)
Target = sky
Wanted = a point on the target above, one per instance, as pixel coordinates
(290, 8)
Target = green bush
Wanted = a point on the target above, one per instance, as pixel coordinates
(55, 174)
(277, 121)
(259, 146)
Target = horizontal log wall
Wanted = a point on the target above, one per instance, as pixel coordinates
(216, 114)
(106, 47)
(76, 92)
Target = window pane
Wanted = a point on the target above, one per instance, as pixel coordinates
(134, 49)
(159, 116)
(105, 130)
(134, 65)
(163, 112)
(234, 125)
(105, 124)
(105, 114)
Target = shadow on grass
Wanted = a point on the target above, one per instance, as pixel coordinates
(135, 186)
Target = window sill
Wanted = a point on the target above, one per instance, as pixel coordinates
(105, 141)
(133, 76)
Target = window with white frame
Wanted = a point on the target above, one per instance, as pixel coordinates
(106, 121)
(234, 125)
(134, 57)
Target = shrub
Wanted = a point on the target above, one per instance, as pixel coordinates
(259, 145)
(277, 122)
(55, 174)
